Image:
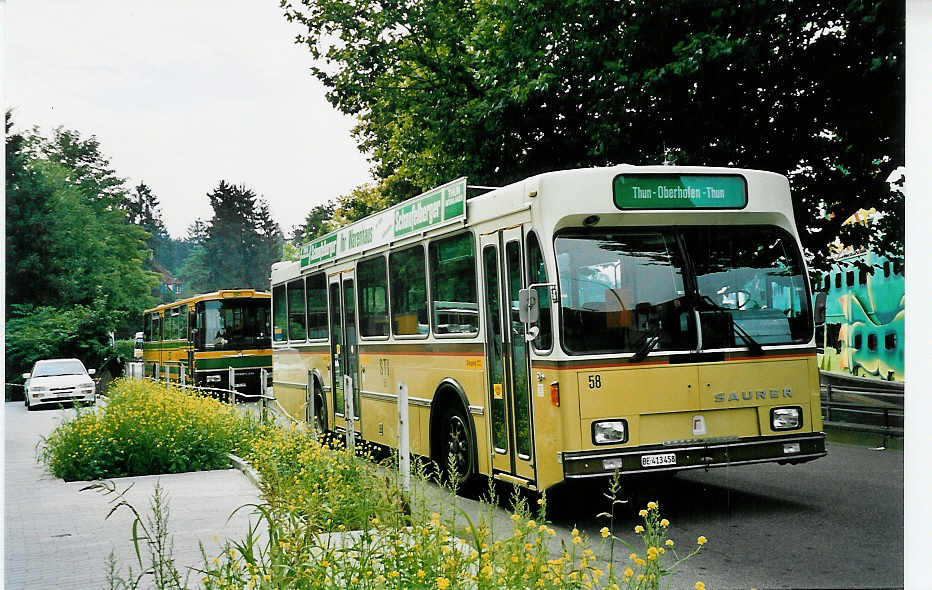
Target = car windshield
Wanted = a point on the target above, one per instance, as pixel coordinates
(620, 287)
(55, 368)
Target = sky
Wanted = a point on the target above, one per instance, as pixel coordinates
(182, 94)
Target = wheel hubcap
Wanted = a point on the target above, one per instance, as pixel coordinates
(457, 445)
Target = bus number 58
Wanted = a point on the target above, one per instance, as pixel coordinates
(595, 381)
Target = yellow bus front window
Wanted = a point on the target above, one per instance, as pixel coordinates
(750, 277)
(618, 286)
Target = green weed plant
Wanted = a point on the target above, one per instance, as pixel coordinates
(147, 428)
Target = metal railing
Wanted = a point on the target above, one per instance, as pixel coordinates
(161, 374)
(864, 407)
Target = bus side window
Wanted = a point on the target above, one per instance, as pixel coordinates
(279, 314)
(373, 304)
(453, 288)
(408, 292)
(537, 273)
(297, 321)
(317, 306)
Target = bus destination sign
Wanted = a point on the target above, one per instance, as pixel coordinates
(680, 191)
(435, 208)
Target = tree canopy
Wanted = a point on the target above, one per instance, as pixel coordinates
(75, 264)
(236, 247)
(498, 90)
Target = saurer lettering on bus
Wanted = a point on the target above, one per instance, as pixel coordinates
(759, 394)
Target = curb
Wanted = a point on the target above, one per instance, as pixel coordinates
(250, 473)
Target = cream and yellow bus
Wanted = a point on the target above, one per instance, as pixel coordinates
(641, 319)
(205, 336)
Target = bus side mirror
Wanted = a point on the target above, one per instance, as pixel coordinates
(820, 308)
(528, 309)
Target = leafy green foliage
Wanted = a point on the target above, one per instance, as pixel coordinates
(34, 333)
(502, 90)
(146, 428)
(74, 262)
(320, 481)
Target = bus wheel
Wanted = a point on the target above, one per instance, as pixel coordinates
(320, 419)
(456, 462)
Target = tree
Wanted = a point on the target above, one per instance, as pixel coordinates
(31, 262)
(236, 247)
(75, 264)
(498, 91)
(316, 223)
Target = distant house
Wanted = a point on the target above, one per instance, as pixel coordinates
(167, 281)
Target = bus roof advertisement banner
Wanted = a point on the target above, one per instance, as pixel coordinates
(680, 191)
(432, 209)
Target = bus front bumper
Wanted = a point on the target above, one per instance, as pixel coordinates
(694, 454)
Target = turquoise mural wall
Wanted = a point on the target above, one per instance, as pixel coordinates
(864, 323)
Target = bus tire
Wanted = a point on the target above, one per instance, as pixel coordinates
(320, 412)
(458, 442)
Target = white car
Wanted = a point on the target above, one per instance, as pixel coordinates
(56, 381)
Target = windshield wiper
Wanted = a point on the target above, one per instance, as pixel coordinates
(645, 344)
(754, 346)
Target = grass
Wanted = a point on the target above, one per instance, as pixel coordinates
(145, 429)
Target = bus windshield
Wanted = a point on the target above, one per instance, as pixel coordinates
(233, 324)
(621, 286)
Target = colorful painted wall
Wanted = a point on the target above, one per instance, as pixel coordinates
(864, 323)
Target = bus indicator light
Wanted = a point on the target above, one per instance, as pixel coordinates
(555, 394)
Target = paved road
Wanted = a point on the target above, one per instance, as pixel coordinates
(56, 536)
(836, 522)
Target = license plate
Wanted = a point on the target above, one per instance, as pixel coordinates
(657, 460)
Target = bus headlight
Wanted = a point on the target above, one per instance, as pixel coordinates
(609, 432)
(786, 418)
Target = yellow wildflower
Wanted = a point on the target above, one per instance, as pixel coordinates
(628, 572)
(638, 529)
(443, 583)
(701, 540)
(669, 543)
(604, 532)
(652, 506)
(700, 586)
(642, 513)
(664, 522)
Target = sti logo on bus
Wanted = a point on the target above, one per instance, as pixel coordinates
(759, 394)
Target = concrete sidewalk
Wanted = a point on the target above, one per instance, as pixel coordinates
(56, 536)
